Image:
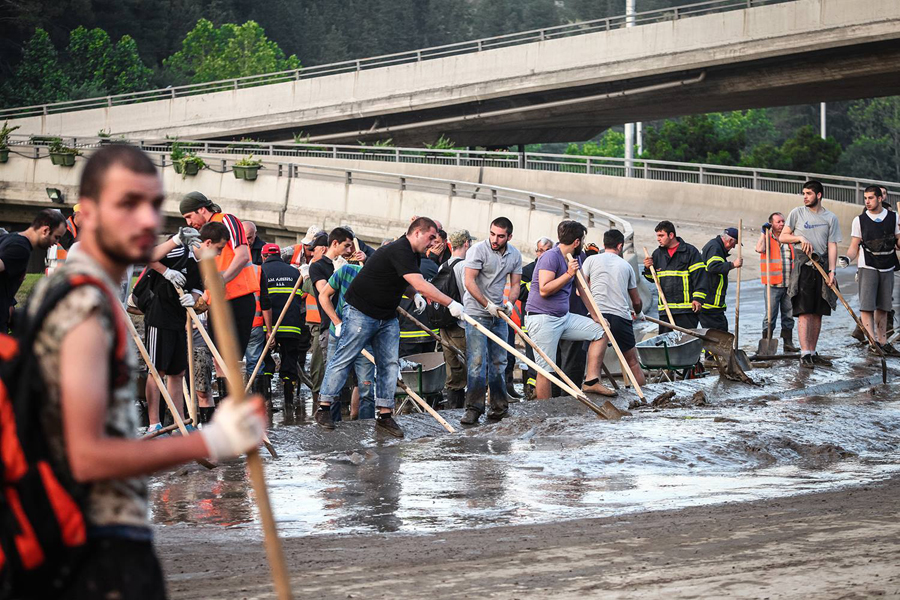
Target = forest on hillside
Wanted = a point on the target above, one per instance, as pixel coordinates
(56, 50)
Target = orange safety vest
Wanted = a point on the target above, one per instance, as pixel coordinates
(312, 310)
(258, 317)
(62, 253)
(298, 254)
(246, 281)
(516, 315)
(771, 271)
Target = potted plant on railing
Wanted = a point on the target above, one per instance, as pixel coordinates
(185, 163)
(62, 155)
(4, 141)
(247, 168)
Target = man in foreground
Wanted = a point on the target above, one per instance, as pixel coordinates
(89, 411)
(370, 318)
(682, 275)
(817, 231)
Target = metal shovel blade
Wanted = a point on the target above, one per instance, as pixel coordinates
(767, 347)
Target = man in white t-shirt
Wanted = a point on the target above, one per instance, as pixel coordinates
(613, 285)
(875, 235)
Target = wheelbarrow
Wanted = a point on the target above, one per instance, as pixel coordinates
(672, 352)
(427, 378)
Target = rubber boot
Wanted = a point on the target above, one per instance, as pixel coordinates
(787, 342)
(206, 413)
(288, 393)
(511, 390)
(221, 388)
(456, 398)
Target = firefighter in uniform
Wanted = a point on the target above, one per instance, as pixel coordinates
(279, 279)
(682, 276)
(715, 255)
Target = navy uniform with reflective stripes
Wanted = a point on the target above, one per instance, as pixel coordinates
(682, 277)
(712, 315)
(279, 279)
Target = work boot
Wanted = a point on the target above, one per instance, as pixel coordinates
(787, 343)
(598, 388)
(456, 398)
(511, 389)
(470, 418)
(323, 417)
(858, 334)
(206, 413)
(497, 414)
(806, 362)
(889, 349)
(288, 393)
(385, 422)
(818, 360)
(221, 388)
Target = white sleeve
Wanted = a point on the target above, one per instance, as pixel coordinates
(855, 230)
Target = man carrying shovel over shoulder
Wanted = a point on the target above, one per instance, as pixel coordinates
(817, 232)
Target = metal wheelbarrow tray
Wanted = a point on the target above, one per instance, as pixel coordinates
(429, 376)
(670, 351)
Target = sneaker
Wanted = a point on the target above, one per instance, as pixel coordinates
(806, 362)
(471, 417)
(599, 388)
(820, 361)
(889, 350)
(323, 418)
(190, 428)
(388, 425)
(496, 415)
(154, 428)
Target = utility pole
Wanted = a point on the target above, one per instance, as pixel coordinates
(822, 120)
(629, 127)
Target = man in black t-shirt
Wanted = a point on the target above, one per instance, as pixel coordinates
(15, 251)
(370, 317)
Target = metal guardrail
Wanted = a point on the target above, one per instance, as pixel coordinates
(412, 56)
(566, 209)
(841, 189)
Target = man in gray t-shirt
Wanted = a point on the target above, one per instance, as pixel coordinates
(488, 265)
(817, 232)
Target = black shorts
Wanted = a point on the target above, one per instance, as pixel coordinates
(809, 300)
(117, 568)
(622, 330)
(167, 349)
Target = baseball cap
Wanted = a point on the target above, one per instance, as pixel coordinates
(320, 239)
(311, 234)
(458, 238)
(732, 232)
(193, 201)
(271, 249)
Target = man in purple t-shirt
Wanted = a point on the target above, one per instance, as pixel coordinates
(548, 318)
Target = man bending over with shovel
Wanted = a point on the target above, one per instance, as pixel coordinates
(817, 231)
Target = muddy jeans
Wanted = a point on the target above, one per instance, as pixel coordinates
(486, 366)
(781, 304)
(365, 381)
(254, 349)
(319, 353)
(359, 331)
(456, 368)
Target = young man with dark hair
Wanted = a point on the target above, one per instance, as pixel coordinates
(817, 232)
(88, 413)
(715, 255)
(875, 235)
(682, 276)
(241, 280)
(777, 272)
(46, 229)
(370, 318)
(548, 317)
(613, 285)
(489, 265)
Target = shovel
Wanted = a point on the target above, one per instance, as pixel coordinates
(739, 356)
(718, 343)
(768, 346)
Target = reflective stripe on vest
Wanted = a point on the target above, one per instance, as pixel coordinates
(312, 310)
(245, 282)
(771, 271)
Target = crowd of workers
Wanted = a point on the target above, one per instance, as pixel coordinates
(336, 299)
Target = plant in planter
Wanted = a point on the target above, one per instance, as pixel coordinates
(185, 162)
(62, 155)
(247, 168)
(4, 141)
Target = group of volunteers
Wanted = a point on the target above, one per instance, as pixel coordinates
(338, 300)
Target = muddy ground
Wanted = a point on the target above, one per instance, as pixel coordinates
(842, 544)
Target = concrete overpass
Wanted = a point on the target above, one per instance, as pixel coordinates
(570, 84)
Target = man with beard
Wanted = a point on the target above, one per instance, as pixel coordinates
(488, 265)
(682, 277)
(817, 231)
(88, 412)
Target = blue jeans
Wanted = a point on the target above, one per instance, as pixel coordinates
(361, 331)
(486, 364)
(781, 303)
(365, 378)
(254, 349)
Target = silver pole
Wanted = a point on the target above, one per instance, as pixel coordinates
(822, 120)
(629, 127)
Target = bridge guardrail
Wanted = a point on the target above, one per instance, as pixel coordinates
(411, 56)
(567, 209)
(839, 188)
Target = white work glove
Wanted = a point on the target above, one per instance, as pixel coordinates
(420, 303)
(187, 237)
(456, 309)
(493, 309)
(337, 330)
(235, 429)
(187, 300)
(843, 262)
(304, 271)
(508, 308)
(177, 278)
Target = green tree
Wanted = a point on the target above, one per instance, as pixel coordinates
(807, 151)
(876, 149)
(209, 53)
(39, 78)
(693, 138)
(611, 144)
